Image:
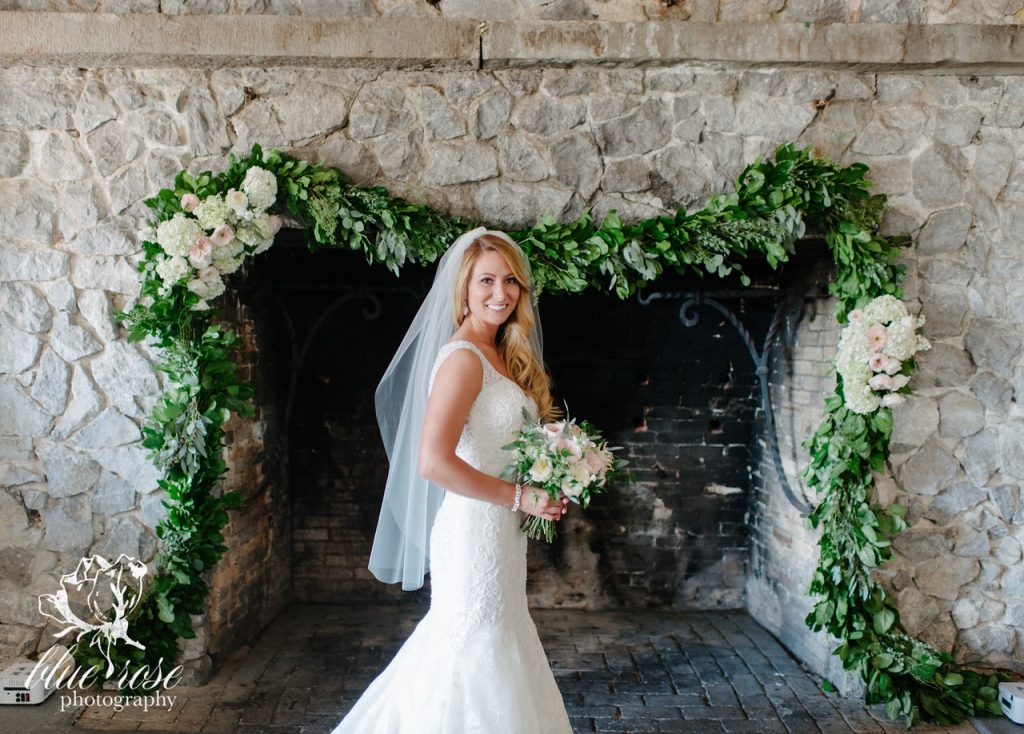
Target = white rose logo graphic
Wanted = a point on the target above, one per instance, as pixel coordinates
(97, 597)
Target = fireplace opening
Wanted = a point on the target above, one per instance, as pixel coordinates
(667, 375)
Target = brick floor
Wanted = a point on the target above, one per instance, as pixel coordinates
(618, 672)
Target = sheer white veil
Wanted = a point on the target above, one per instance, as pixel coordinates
(401, 546)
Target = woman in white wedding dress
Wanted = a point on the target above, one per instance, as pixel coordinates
(474, 664)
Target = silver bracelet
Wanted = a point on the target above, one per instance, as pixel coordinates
(519, 496)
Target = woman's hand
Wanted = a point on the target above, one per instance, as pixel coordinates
(538, 503)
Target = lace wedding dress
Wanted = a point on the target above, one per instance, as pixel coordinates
(474, 663)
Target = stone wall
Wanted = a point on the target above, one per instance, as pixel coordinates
(793, 11)
(80, 149)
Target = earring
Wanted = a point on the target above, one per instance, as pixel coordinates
(465, 310)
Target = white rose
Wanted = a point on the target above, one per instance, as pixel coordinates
(541, 470)
(571, 489)
(581, 474)
(238, 201)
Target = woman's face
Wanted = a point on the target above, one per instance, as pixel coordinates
(493, 290)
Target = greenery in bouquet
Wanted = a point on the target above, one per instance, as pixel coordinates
(562, 458)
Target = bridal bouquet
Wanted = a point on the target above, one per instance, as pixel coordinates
(875, 353)
(561, 458)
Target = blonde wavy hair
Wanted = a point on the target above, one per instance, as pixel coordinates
(513, 339)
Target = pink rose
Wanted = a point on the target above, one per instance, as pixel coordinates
(222, 235)
(189, 202)
(570, 446)
(200, 252)
(594, 463)
(856, 315)
(881, 382)
(876, 337)
(877, 362)
(552, 430)
(891, 366)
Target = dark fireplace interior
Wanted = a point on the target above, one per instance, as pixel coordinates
(683, 402)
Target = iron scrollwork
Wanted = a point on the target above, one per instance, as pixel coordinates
(689, 317)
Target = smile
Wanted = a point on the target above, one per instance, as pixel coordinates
(498, 308)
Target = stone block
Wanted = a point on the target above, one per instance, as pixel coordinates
(71, 341)
(944, 308)
(993, 344)
(13, 153)
(522, 157)
(124, 374)
(453, 163)
(68, 472)
(68, 526)
(22, 415)
(577, 162)
(944, 365)
(23, 307)
(85, 403)
(380, 109)
(955, 500)
(28, 211)
(988, 640)
(112, 494)
(929, 470)
(53, 380)
(441, 120)
(921, 544)
(917, 611)
(942, 576)
(111, 428)
(1011, 441)
(18, 350)
(913, 422)
(993, 391)
(938, 175)
(487, 115)
(517, 205)
(1006, 498)
(945, 231)
(646, 128)
(979, 455)
(960, 415)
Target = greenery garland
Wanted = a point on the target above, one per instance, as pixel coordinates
(773, 202)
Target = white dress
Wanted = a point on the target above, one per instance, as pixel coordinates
(474, 664)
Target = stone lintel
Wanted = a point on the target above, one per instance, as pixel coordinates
(213, 41)
(860, 46)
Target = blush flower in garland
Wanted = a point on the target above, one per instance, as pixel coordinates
(876, 353)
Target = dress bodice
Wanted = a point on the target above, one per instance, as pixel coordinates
(494, 418)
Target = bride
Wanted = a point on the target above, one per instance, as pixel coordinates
(451, 398)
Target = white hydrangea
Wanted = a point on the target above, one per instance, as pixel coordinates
(177, 234)
(900, 339)
(885, 309)
(228, 264)
(261, 187)
(256, 232)
(213, 211)
(172, 269)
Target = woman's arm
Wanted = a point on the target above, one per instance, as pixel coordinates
(458, 381)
